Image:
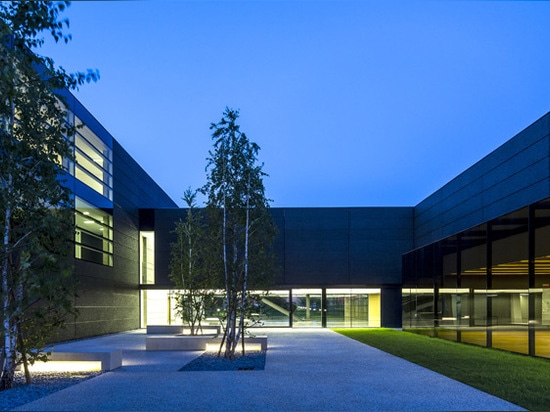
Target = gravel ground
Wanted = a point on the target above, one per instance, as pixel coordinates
(43, 384)
(209, 361)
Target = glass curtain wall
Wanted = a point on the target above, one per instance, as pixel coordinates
(539, 287)
(472, 269)
(489, 285)
(508, 296)
(93, 167)
(307, 306)
(280, 308)
(353, 308)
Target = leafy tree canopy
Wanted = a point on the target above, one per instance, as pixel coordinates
(37, 287)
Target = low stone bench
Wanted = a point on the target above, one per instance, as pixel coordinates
(178, 329)
(178, 342)
(109, 359)
(164, 329)
(195, 343)
(254, 340)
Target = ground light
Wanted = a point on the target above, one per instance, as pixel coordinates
(66, 366)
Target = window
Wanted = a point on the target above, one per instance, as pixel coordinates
(94, 234)
(147, 257)
(94, 161)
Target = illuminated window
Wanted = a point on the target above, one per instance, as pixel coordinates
(147, 257)
(94, 161)
(94, 234)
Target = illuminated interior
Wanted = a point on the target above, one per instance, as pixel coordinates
(147, 258)
(489, 285)
(94, 233)
(335, 307)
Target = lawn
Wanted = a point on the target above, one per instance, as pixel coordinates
(519, 379)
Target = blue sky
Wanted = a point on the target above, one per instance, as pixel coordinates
(353, 103)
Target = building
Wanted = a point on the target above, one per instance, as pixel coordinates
(480, 269)
(109, 189)
(469, 263)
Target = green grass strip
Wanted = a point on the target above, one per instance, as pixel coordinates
(520, 379)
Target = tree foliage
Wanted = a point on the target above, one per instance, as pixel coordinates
(191, 267)
(240, 219)
(37, 287)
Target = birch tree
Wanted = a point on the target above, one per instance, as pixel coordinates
(36, 286)
(239, 213)
(190, 267)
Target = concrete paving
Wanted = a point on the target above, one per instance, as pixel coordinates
(306, 370)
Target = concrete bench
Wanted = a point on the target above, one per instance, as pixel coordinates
(206, 330)
(109, 359)
(195, 343)
(178, 329)
(164, 329)
(254, 340)
(178, 342)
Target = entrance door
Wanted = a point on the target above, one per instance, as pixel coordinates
(307, 308)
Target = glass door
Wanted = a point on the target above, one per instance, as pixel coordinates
(307, 310)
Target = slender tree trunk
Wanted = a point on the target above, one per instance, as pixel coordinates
(245, 267)
(233, 334)
(226, 335)
(23, 354)
(9, 327)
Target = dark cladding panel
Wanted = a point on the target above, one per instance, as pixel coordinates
(146, 219)
(314, 257)
(323, 219)
(344, 246)
(378, 238)
(390, 302)
(279, 246)
(316, 246)
(165, 222)
(106, 302)
(320, 247)
(515, 174)
(133, 186)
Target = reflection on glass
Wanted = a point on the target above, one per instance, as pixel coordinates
(490, 284)
(273, 308)
(540, 291)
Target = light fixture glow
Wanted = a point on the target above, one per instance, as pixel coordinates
(66, 366)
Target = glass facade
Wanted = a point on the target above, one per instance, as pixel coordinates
(281, 308)
(92, 166)
(353, 308)
(488, 286)
(94, 233)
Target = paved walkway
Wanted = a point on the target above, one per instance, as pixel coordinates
(306, 370)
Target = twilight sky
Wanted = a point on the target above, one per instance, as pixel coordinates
(353, 103)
